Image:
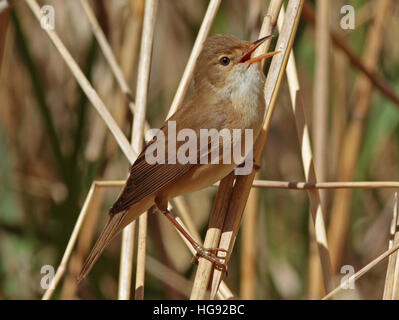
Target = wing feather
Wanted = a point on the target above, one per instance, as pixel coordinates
(146, 179)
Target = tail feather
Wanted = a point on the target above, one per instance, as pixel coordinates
(110, 230)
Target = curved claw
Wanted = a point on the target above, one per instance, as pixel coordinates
(221, 267)
(217, 250)
(211, 255)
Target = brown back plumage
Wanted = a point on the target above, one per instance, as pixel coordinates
(146, 179)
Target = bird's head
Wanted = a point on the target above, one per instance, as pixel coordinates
(226, 64)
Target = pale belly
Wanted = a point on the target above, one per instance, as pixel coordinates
(202, 176)
(198, 178)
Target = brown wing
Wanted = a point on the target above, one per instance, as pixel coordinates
(146, 179)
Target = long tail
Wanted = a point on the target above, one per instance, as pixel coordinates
(111, 229)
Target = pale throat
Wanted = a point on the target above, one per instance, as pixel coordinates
(247, 93)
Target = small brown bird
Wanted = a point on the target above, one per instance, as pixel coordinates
(227, 94)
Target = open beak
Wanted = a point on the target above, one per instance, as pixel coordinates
(247, 56)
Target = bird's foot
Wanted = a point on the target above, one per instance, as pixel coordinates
(211, 254)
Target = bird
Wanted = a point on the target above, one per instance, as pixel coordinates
(227, 94)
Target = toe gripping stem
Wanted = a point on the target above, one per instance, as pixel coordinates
(210, 254)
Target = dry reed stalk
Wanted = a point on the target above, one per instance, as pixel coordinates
(303, 135)
(295, 185)
(379, 83)
(325, 185)
(131, 39)
(354, 134)
(172, 253)
(188, 224)
(86, 86)
(128, 59)
(249, 246)
(71, 243)
(168, 276)
(212, 237)
(255, 10)
(199, 42)
(70, 285)
(391, 288)
(321, 91)
(183, 211)
(362, 271)
(147, 38)
(224, 292)
(108, 54)
(364, 14)
(272, 87)
(111, 183)
(339, 84)
(179, 207)
(339, 108)
(395, 278)
(315, 276)
(130, 46)
(126, 262)
(204, 269)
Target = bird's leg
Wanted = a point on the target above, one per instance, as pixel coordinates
(210, 254)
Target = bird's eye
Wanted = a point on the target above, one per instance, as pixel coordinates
(224, 61)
